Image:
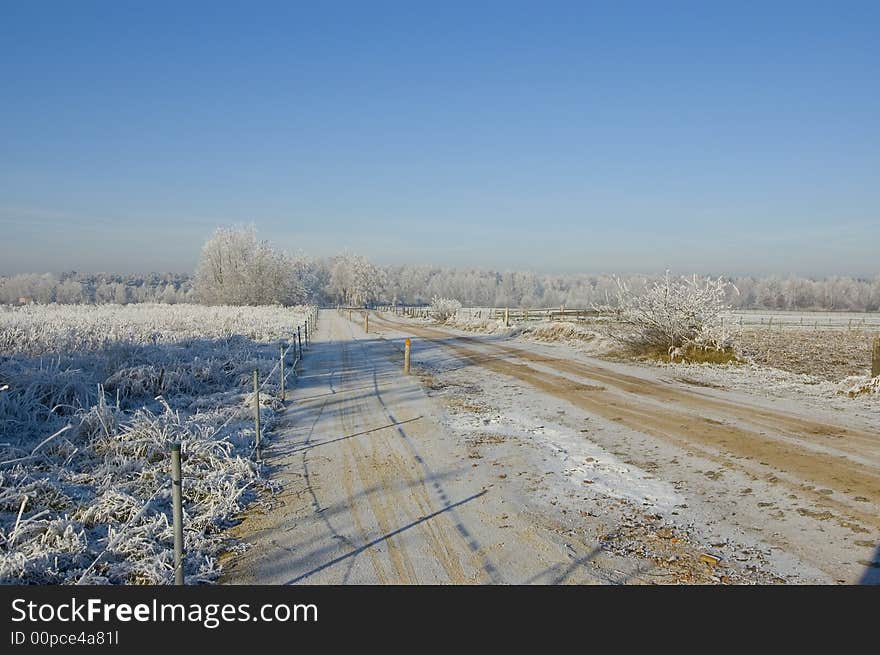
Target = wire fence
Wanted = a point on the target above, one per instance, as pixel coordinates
(295, 344)
(752, 319)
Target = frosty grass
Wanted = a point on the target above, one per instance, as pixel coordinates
(91, 397)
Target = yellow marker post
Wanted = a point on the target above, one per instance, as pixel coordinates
(406, 348)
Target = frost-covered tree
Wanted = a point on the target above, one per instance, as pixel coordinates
(105, 293)
(71, 288)
(70, 292)
(355, 281)
(236, 268)
(121, 294)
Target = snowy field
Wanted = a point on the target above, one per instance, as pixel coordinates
(91, 397)
(785, 320)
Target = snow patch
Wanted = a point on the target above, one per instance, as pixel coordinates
(583, 462)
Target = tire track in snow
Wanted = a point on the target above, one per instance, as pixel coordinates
(798, 466)
(395, 467)
(478, 553)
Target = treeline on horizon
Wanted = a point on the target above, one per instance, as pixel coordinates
(237, 268)
(416, 285)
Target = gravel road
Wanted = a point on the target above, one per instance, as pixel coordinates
(500, 461)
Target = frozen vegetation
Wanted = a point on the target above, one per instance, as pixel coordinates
(238, 268)
(93, 392)
(673, 314)
(91, 397)
(832, 364)
(351, 279)
(442, 309)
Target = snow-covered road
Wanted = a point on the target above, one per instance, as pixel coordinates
(377, 490)
(506, 461)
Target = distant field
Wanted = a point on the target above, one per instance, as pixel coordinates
(807, 320)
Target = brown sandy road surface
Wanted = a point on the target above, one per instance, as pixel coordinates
(824, 471)
(376, 490)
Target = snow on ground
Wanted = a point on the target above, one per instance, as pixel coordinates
(584, 338)
(592, 471)
(91, 397)
(578, 460)
(738, 509)
(601, 479)
(831, 366)
(855, 394)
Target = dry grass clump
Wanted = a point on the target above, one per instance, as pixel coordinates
(687, 355)
(861, 387)
(557, 331)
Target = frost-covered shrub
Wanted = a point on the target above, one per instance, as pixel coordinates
(442, 309)
(674, 314)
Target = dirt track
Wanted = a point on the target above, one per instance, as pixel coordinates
(379, 487)
(813, 458)
(376, 492)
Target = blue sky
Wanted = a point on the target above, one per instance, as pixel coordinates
(622, 136)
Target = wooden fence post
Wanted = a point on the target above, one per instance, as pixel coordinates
(257, 412)
(366, 321)
(875, 359)
(406, 347)
(177, 512)
(506, 317)
(281, 374)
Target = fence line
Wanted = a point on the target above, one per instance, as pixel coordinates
(176, 471)
(769, 320)
(764, 319)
